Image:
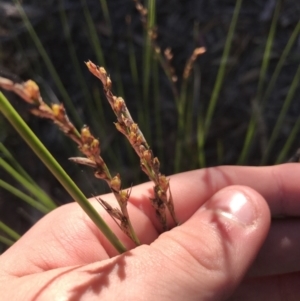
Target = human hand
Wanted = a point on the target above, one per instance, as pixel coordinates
(65, 257)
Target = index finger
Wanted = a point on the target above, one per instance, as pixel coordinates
(279, 185)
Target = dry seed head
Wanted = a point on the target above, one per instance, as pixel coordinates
(83, 161)
(115, 183)
(128, 122)
(32, 90)
(147, 155)
(168, 53)
(142, 148)
(156, 164)
(108, 83)
(132, 137)
(94, 147)
(120, 128)
(58, 111)
(119, 104)
(102, 71)
(134, 127)
(92, 68)
(157, 50)
(123, 196)
(164, 183)
(86, 136)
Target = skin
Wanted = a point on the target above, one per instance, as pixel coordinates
(215, 254)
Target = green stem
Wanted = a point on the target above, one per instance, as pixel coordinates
(14, 235)
(26, 198)
(40, 195)
(6, 241)
(40, 150)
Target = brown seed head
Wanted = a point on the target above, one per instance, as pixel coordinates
(134, 128)
(123, 196)
(94, 147)
(108, 83)
(163, 183)
(156, 164)
(128, 122)
(32, 91)
(132, 138)
(119, 105)
(115, 183)
(139, 140)
(147, 155)
(86, 136)
(59, 111)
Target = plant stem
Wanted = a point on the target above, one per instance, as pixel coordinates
(40, 150)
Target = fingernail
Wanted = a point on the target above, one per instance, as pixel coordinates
(235, 205)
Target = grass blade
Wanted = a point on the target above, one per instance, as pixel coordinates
(286, 104)
(10, 232)
(221, 71)
(265, 63)
(24, 197)
(40, 195)
(6, 241)
(48, 63)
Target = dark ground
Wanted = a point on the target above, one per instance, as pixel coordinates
(176, 21)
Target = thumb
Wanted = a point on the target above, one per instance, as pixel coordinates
(206, 257)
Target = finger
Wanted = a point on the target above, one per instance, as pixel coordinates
(280, 251)
(275, 288)
(277, 184)
(203, 259)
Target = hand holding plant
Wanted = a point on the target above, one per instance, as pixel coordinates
(204, 258)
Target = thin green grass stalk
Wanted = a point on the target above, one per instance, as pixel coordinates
(264, 67)
(111, 154)
(135, 76)
(8, 156)
(24, 197)
(189, 137)
(286, 104)
(75, 63)
(281, 61)
(6, 241)
(30, 138)
(10, 232)
(48, 62)
(267, 53)
(219, 80)
(94, 39)
(120, 92)
(157, 112)
(41, 196)
(194, 112)
(293, 135)
(148, 58)
(106, 15)
(200, 141)
(222, 68)
(181, 125)
(118, 74)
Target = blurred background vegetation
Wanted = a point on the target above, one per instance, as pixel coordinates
(240, 104)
